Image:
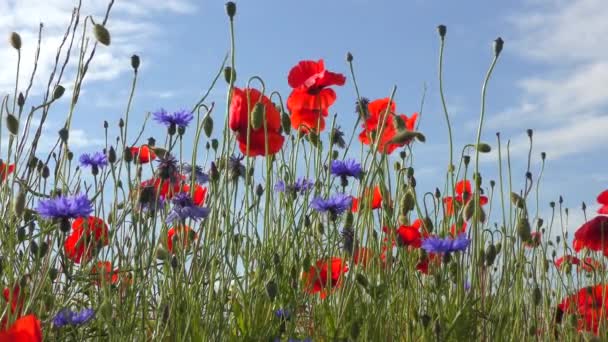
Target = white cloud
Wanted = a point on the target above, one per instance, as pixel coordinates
(565, 99)
(131, 25)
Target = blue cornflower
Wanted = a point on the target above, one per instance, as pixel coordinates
(346, 168)
(300, 186)
(335, 205)
(63, 207)
(96, 160)
(436, 244)
(199, 175)
(69, 317)
(167, 167)
(180, 118)
(184, 208)
(283, 314)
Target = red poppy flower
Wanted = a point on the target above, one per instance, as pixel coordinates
(25, 329)
(311, 96)
(5, 170)
(241, 107)
(186, 233)
(200, 193)
(143, 154)
(103, 272)
(455, 232)
(603, 200)
(410, 235)
(86, 236)
(380, 120)
(363, 256)
(16, 299)
(375, 200)
(566, 260)
(317, 276)
(593, 235)
(589, 304)
(426, 261)
(464, 194)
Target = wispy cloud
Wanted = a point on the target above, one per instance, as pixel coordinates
(566, 98)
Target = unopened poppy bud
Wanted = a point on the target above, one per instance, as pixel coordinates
(58, 92)
(540, 222)
(208, 125)
(402, 154)
(537, 296)
(313, 137)
(207, 145)
(517, 201)
(442, 30)
(21, 234)
(490, 254)
(427, 224)
(53, 273)
(112, 155)
(466, 159)
(286, 123)
(229, 75)
(408, 202)
(15, 40)
(498, 45)
(349, 57)
(257, 116)
(484, 148)
(127, 155)
(397, 166)
(151, 142)
(362, 280)
(20, 100)
(12, 123)
(399, 123)
(552, 204)
(259, 190)
(335, 154)
(135, 61)
(64, 135)
(406, 136)
(230, 9)
(319, 228)
(174, 262)
(46, 172)
(523, 229)
(543, 155)
(101, 34)
(529, 175)
(20, 204)
(561, 199)
(272, 289)
(437, 193)
(214, 144)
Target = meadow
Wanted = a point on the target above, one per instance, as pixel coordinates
(276, 223)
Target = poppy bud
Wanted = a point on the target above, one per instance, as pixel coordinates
(498, 45)
(127, 155)
(286, 123)
(272, 289)
(362, 280)
(229, 75)
(259, 190)
(410, 172)
(523, 229)
(349, 57)
(437, 193)
(15, 40)
(112, 155)
(408, 202)
(151, 142)
(530, 132)
(46, 172)
(543, 155)
(442, 30)
(397, 166)
(561, 199)
(230, 9)
(466, 160)
(214, 144)
(402, 154)
(313, 137)
(64, 135)
(101, 34)
(406, 136)
(490, 254)
(335, 154)
(492, 183)
(214, 173)
(208, 125)
(135, 62)
(517, 201)
(12, 123)
(53, 273)
(20, 204)
(427, 224)
(21, 234)
(257, 116)
(399, 123)
(58, 92)
(536, 296)
(540, 222)
(174, 262)
(20, 100)
(484, 148)
(552, 204)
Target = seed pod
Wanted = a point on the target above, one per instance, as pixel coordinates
(484, 148)
(58, 92)
(230, 9)
(102, 34)
(442, 30)
(490, 254)
(229, 75)
(12, 123)
(20, 100)
(20, 204)
(135, 61)
(15, 40)
(523, 229)
(257, 116)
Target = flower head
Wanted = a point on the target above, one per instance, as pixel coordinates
(186, 233)
(438, 245)
(167, 167)
(184, 208)
(337, 137)
(283, 314)
(198, 173)
(603, 200)
(5, 170)
(346, 168)
(593, 235)
(588, 304)
(318, 278)
(63, 207)
(69, 317)
(335, 205)
(300, 186)
(180, 118)
(143, 154)
(372, 200)
(26, 328)
(88, 235)
(381, 120)
(95, 160)
(464, 195)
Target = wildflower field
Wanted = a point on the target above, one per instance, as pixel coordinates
(269, 217)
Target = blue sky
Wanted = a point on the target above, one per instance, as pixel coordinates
(552, 76)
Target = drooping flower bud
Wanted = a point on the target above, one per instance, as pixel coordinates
(257, 116)
(349, 57)
(523, 229)
(490, 254)
(208, 125)
(135, 61)
(286, 123)
(58, 92)
(12, 123)
(484, 148)
(101, 34)
(20, 100)
(229, 75)
(15, 40)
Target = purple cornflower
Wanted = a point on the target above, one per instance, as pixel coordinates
(199, 175)
(177, 119)
(436, 244)
(300, 186)
(337, 137)
(335, 205)
(96, 160)
(69, 317)
(167, 167)
(63, 207)
(237, 169)
(346, 168)
(184, 208)
(283, 314)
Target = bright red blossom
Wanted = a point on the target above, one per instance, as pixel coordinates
(16, 299)
(464, 194)
(362, 256)
(370, 200)
(380, 121)
(143, 154)
(317, 278)
(589, 304)
(25, 329)
(186, 233)
(410, 235)
(241, 106)
(86, 236)
(5, 170)
(603, 200)
(593, 235)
